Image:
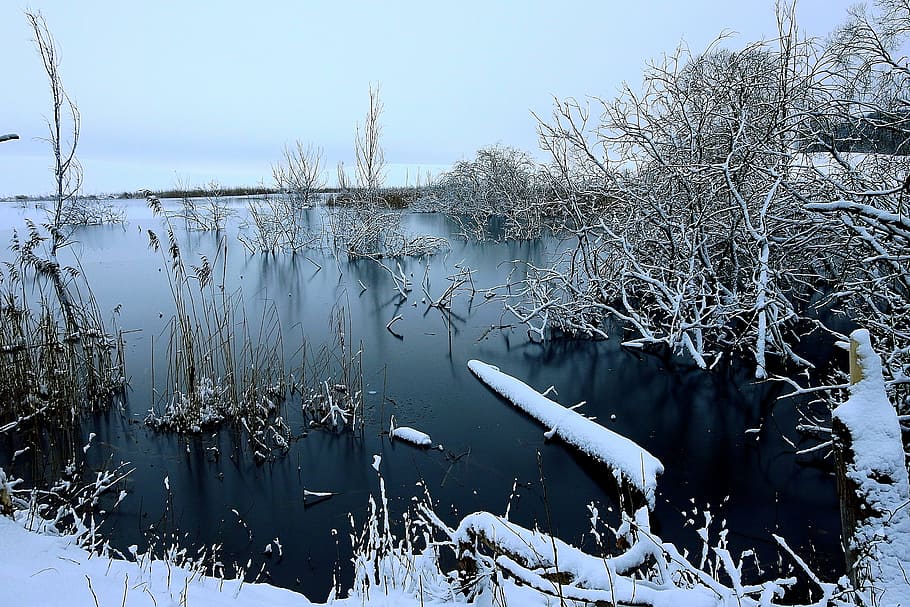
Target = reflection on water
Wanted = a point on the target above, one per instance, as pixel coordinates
(693, 421)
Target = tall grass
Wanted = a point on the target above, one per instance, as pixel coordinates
(57, 359)
(220, 368)
(330, 382)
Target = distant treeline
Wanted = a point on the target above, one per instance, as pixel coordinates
(879, 132)
(395, 197)
(204, 192)
(200, 192)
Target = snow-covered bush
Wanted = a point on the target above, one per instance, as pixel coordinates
(501, 193)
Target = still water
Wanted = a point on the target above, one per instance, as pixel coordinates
(694, 421)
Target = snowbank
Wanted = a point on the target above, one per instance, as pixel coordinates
(53, 571)
(630, 462)
(875, 463)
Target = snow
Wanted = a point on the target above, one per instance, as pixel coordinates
(54, 571)
(882, 540)
(410, 435)
(514, 566)
(377, 459)
(629, 461)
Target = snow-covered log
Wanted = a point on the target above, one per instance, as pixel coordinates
(873, 482)
(631, 464)
(648, 572)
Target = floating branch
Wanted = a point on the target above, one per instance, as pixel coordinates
(391, 330)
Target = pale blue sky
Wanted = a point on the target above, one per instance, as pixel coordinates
(213, 90)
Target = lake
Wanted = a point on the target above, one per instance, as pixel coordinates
(694, 421)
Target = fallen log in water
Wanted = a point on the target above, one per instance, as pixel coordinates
(632, 465)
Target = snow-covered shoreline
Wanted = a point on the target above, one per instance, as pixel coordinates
(48, 570)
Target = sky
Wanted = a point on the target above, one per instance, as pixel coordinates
(190, 91)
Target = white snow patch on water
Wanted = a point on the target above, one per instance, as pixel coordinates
(410, 435)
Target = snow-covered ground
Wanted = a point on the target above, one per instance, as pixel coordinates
(53, 571)
(38, 569)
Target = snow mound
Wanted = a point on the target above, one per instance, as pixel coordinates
(630, 462)
(53, 571)
(409, 435)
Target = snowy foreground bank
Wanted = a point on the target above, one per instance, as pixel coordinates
(507, 565)
(38, 569)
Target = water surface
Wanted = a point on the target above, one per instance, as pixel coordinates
(694, 421)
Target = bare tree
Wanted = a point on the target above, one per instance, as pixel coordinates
(63, 127)
(501, 184)
(341, 176)
(63, 139)
(860, 180)
(203, 209)
(685, 232)
(299, 175)
(368, 148)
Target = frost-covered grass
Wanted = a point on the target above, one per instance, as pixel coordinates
(57, 358)
(365, 229)
(219, 368)
(330, 383)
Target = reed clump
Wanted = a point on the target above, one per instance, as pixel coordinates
(57, 359)
(370, 229)
(220, 369)
(330, 383)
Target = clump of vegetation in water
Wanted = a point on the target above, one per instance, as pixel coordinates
(330, 384)
(500, 194)
(218, 372)
(208, 212)
(56, 363)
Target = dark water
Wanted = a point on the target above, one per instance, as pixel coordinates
(693, 421)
